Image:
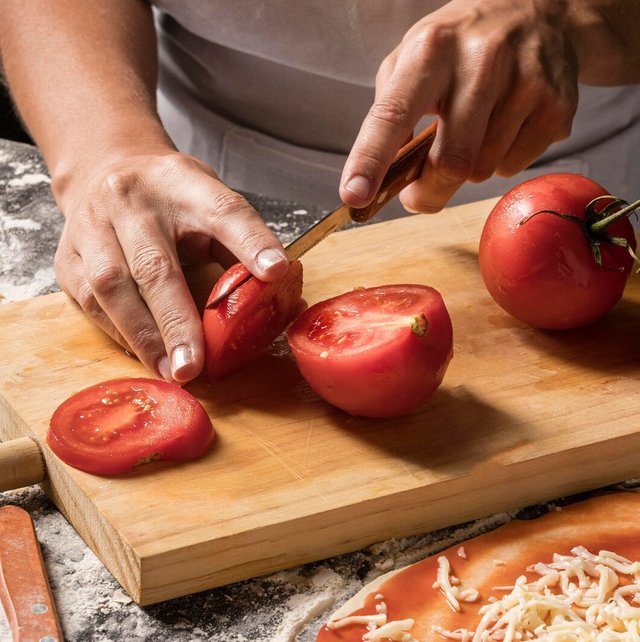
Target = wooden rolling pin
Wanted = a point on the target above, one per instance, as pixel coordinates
(21, 463)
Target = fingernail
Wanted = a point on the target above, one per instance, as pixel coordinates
(266, 259)
(180, 359)
(164, 368)
(359, 186)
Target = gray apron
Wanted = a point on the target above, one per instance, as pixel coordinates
(271, 93)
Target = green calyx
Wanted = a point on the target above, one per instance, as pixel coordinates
(595, 222)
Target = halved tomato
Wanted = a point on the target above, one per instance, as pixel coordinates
(376, 352)
(243, 325)
(116, 425)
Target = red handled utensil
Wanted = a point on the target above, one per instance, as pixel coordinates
(24, 589)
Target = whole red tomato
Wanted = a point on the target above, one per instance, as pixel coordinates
(375, 352)
(539, 252)
(243, 325)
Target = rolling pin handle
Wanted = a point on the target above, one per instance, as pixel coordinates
(21, 463)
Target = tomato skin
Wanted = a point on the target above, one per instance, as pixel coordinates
(359, 352)
(543, 271)
(243, 325)
(116, 425)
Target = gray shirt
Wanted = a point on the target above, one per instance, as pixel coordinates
(271, 93)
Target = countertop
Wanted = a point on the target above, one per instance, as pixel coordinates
(284, 607)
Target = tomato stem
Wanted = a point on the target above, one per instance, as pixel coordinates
(595, 223)
(420, 325)
(602, 223)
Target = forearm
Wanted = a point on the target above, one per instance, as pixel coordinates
(83, 76)
(605, 36)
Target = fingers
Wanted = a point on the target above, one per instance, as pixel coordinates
(118, 256)
(501, 78)
(210, 208)
(404, 88)
(167, 331)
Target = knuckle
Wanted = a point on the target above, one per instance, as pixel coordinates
(105, 278)
(173, 325)
(481, 173)
(87, 301)
(430, 39)
(453, 165)
(145, 340)
(151, 266)
(171, 166)
(393, 110)
(226, 204)
(120, 183)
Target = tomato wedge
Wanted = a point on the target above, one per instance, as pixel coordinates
(114, 426)
(244, 324)
(375, 352)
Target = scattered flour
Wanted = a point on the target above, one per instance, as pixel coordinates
(10, 223)
(11, 291)
(28, 179)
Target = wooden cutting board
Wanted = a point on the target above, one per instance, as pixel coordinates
(522, 416)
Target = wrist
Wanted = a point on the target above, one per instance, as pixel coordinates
(90, 156)
(599, 49)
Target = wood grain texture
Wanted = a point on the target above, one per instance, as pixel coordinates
(522, 416)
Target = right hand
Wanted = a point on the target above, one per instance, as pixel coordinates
(118, 256)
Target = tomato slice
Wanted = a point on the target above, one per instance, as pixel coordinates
(375, 352)
(244, 324)
(116, 425)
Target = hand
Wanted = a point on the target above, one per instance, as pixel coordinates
(501, 76)
(117, 256)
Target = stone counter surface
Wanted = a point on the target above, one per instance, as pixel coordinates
(284, 607)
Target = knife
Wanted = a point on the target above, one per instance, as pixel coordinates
(404, 170)
(24, 589)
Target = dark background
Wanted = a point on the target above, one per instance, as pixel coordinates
(10, 126)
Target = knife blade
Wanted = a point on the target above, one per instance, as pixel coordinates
(404, 169)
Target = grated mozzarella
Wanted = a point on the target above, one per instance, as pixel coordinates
(582, 597)
(449, 584)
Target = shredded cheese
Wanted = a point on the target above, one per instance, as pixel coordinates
(379, 629)
(449, 584)
(582, 597)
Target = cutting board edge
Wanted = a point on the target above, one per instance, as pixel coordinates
(472, 502)
(92, 526)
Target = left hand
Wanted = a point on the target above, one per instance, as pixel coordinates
(501, 76)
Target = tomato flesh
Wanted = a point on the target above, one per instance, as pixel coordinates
(375, 352)
(543, 271)
(245, 323)
(116, 425)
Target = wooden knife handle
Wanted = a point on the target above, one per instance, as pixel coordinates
(405, 169)
(21, 463)
(24, 589)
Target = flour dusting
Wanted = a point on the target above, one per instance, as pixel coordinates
(40, 282)
(28, 179)
(10, 223)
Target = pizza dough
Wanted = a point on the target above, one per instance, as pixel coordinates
(593, 578)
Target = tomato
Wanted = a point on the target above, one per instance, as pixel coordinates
(116, 425)
(375, 352)
(540, 267)
(243, 325)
